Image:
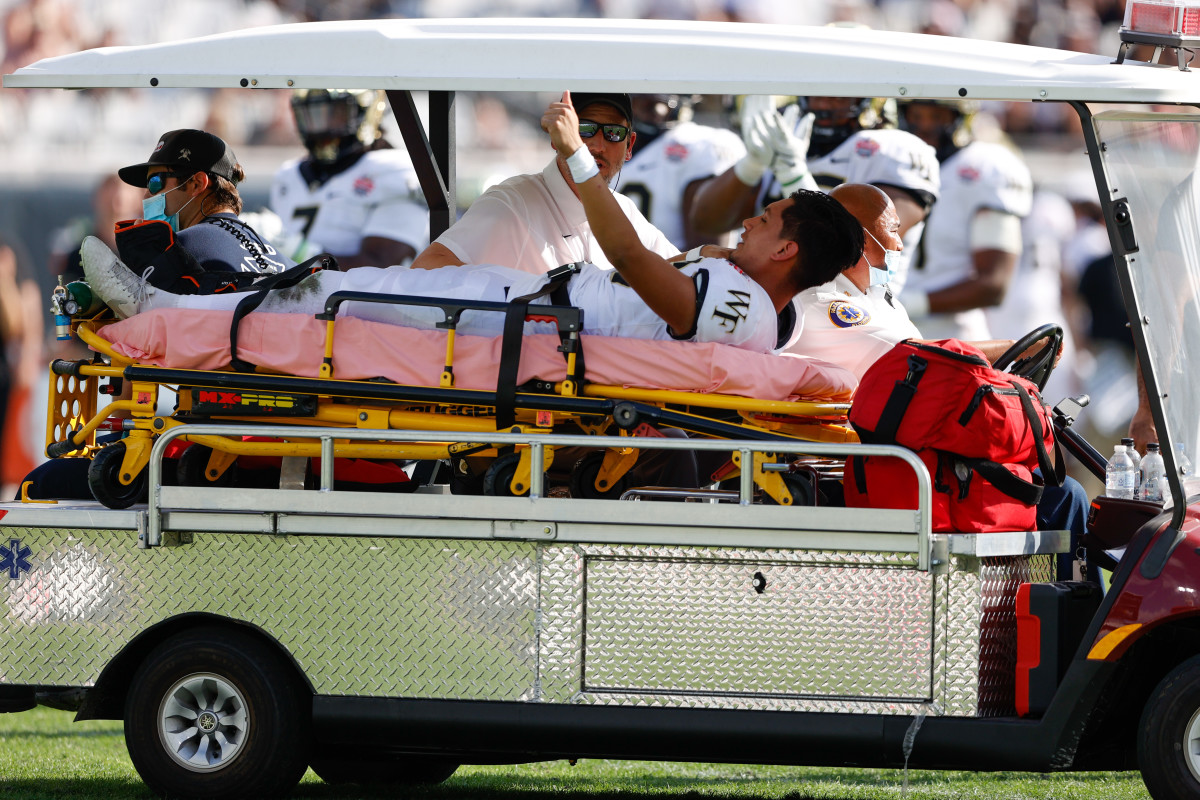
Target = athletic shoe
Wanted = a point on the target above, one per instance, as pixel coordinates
(123, 290)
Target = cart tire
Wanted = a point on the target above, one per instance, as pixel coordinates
(104, 479)
(800, 488)
(1168, 739)
(383, 771)
(214, 712)
(583, 479)
(192, 466)
(497, 480)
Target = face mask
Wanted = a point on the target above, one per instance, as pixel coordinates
(155, 208)
(881, 276)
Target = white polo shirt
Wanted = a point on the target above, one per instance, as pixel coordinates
(849, 327)
(535, 223)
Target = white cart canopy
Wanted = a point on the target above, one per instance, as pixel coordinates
(610, 55)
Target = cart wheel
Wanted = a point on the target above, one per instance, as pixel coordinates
(1168, 738)
(497, 480)
(104, 479)
(383, 771)
(626, 416)
(213, 712)
(583, 479)
(193, 466)
(799, 487)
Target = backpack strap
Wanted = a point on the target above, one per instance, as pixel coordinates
(258, 293)
(997, 475)
(1052, 472)
(898, 402)
(514, 329)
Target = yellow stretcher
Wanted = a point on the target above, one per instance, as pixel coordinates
(117, 473)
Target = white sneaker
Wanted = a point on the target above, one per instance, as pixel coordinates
(123, 290)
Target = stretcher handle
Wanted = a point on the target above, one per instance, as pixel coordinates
(568, 318)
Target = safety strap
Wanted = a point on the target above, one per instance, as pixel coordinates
(1052, 473)
(510, 343)
(997, 475)
(898, 402)
(258, 292)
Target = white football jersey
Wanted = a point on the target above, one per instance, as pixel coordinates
(731, 307)
(656, 176)
(379, 195)
(892, 157)
(980, 176)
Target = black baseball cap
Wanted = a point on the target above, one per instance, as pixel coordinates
(184, 149)
(619, 101)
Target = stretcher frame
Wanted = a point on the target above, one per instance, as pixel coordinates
(573, 403)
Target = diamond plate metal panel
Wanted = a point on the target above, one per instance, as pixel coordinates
(361, 615)
(852, 633)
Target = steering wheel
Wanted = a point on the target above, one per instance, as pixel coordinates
(1035, 368)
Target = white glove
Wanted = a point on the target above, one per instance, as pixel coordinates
(756, 111)
(789, 142)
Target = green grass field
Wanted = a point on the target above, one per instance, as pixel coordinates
(45, 755)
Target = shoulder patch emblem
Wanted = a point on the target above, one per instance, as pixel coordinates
(676, 151)
(847, 315)
(866, 147)
(363, 186)
(969, 174)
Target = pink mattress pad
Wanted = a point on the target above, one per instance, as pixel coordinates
(293, 344)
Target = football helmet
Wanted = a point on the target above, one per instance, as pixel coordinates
(333, 123)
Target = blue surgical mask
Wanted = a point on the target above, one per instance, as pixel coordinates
(155, 208)
(881, 276)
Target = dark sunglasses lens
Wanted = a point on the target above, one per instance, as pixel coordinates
(588, 129)
(156, 183)
(615, 133)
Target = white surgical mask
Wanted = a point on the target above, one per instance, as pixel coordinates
(155, 208)
(891, 264)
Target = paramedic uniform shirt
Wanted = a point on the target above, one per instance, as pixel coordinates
(535, 223)
(657, 175)
(891, 157)
(849, 327)
(378, 195)
(980, 176)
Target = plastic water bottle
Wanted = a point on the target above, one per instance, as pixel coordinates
(1137, 464)
(1120, 477)
(1182, 462)
(1153, 471)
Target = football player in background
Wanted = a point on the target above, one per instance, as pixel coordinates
(823, 142)
(674, 155)
(973, 240)
(352, 195)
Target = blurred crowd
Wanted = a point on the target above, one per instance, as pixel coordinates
(87, 134)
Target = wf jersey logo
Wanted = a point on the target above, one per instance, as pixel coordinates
(735, 309)
(14, 559)
(847, 315)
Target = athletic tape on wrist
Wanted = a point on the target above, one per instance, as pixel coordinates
(749, 170)
(693, 254)
(582, 165)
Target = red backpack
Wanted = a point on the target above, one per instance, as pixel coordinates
(979, 431)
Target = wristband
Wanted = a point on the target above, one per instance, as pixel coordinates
(916, 303)
(749, 170)
(582, 165)
(694, 254)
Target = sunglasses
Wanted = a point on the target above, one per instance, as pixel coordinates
(612, 133)
(158, 181)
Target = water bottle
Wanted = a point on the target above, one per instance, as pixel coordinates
(1120, 477)
(1182, 462)
(1153, 471)
(1137, 464)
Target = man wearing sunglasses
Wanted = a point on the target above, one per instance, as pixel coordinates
(536, 223)
(191, 199)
